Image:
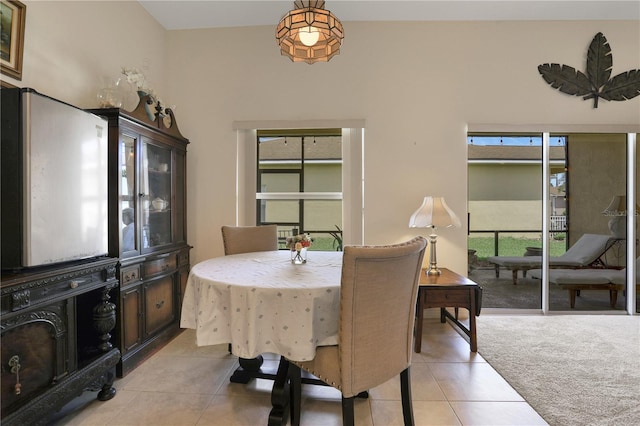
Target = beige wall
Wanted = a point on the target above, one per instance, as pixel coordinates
(505, 182)
(505, 196)
(418, 86)
(70, 46)
(504, 215)
(597, 172)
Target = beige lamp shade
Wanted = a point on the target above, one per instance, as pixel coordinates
(309, 33)
(434, 212)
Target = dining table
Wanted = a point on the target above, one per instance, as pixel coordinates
(260, 302)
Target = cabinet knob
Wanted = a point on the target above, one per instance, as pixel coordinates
(74, 284)
(160, 304)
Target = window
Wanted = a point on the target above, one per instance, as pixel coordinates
(299, 184)
(353, 183)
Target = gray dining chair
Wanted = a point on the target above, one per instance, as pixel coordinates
(246, 239)
(378, 293)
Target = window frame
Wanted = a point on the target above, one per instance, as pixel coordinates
(302, 161)
(353, 178)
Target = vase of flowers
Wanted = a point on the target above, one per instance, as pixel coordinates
(298, 245)
(138, 81)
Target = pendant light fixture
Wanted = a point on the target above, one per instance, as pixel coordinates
(309, 33)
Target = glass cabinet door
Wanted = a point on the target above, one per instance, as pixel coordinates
(128, 193)
(155, 195)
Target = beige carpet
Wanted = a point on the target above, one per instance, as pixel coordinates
(573, 369)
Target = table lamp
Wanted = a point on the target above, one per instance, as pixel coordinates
(434, 212)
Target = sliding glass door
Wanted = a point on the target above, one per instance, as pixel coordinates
(596, 175)
(505, 215)
(565, 193)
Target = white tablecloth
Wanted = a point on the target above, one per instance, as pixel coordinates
(261, 302)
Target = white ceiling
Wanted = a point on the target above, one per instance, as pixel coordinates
(173, 14)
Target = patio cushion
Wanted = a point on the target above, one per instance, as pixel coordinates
(584, 252)
(576, 276)
(587, 276)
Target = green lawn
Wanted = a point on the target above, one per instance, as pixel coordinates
(323, 243)
(510, 246)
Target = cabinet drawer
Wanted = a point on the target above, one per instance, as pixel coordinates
(61, 288)
(160, 265)
(159, 304)
(131, 325)
(129, 275)
(48, 289)
(183, 257)
(438, 297)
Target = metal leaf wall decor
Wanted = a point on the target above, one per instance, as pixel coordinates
(596, 82)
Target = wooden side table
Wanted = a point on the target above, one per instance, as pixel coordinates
(448, 290)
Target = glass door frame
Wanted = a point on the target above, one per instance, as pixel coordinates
(545, 130)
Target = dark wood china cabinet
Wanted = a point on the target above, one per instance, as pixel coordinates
(147, 226)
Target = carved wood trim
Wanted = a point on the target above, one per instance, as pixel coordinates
(66, 389)
(107, 272)
(150, 112)
(53, 318)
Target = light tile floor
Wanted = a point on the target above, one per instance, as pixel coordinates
(186, 385)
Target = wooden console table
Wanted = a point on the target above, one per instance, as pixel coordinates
(448, 290)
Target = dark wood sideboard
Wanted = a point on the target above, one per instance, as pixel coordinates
(56, 324)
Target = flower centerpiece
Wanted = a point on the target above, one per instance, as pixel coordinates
(298, 244)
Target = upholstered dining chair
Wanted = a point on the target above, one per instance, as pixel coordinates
(378, 293)
(246, 239)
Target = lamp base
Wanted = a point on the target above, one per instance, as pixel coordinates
(433, 271)
(433, 264)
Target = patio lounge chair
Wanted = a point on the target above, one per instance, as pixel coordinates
(586, 252)
(575, 280)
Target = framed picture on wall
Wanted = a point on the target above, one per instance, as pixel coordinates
(12, 19)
